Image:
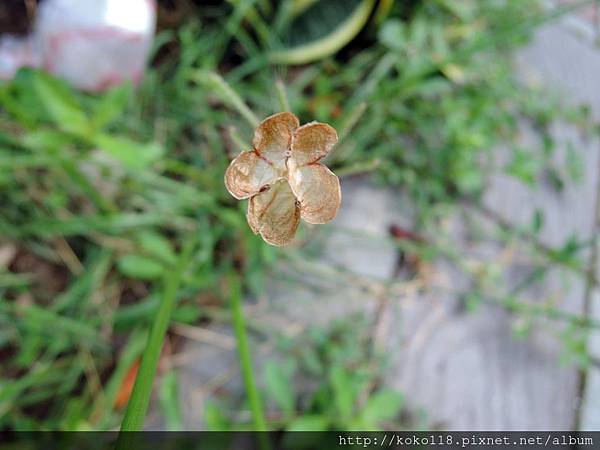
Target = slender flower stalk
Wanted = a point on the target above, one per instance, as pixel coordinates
(227, 94)
(239, 326)
(284, 102)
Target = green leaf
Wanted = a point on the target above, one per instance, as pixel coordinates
(278, 383)
(538, 220)
(130, 153)
(187, 313)
(44, 140)
(523, 166)
(300, 441)
(393, 34)
(169, 402)
(111, 106)
(140, 267)
(61, 104)
(21, 100)
(385, 404)
(214, 418)
(309, 423)
(157, 245)
(473, 301)
(574, 163)
(343, 392)
(17, 108)
(522, 328)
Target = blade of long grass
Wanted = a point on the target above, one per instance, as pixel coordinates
(169, 401)
(97, 266)
(239, 326)
(226, 93)
(50, 323)
(127, 357)
(75, 174)
(282, 96)
(140, 396)
(84, 225)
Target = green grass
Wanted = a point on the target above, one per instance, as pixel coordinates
(115, 209)
(140, 396)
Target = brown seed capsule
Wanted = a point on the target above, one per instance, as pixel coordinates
(284, 179)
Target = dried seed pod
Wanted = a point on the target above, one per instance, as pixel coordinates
(318, 191)
(312, 142)
(248, 174)
(283, 178)
(272, 138)
(274, 214)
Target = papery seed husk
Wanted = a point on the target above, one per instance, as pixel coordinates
(274, 214)
(248, 174)
(312, 142)
(318, 191)
(272, 138)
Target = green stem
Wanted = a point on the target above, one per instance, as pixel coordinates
(350, 122)
(140, 396)
(239, 325)
(237, 140)
(226, 93)
(359, 168)
(284, 103)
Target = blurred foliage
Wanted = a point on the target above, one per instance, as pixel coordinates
(339, 377)
(98, 193)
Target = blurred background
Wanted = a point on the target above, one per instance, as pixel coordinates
(456, 290)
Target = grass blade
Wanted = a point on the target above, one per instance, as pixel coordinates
(217, 83)
(284, 103)
(239, 325)
(140, 396)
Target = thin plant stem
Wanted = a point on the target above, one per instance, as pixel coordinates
(237, 140)
(239, 326)
(284, 103)
(342, 151)
(140, 396)
(590, 284)
(355, 115)
(359, 168)
(227, 94)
